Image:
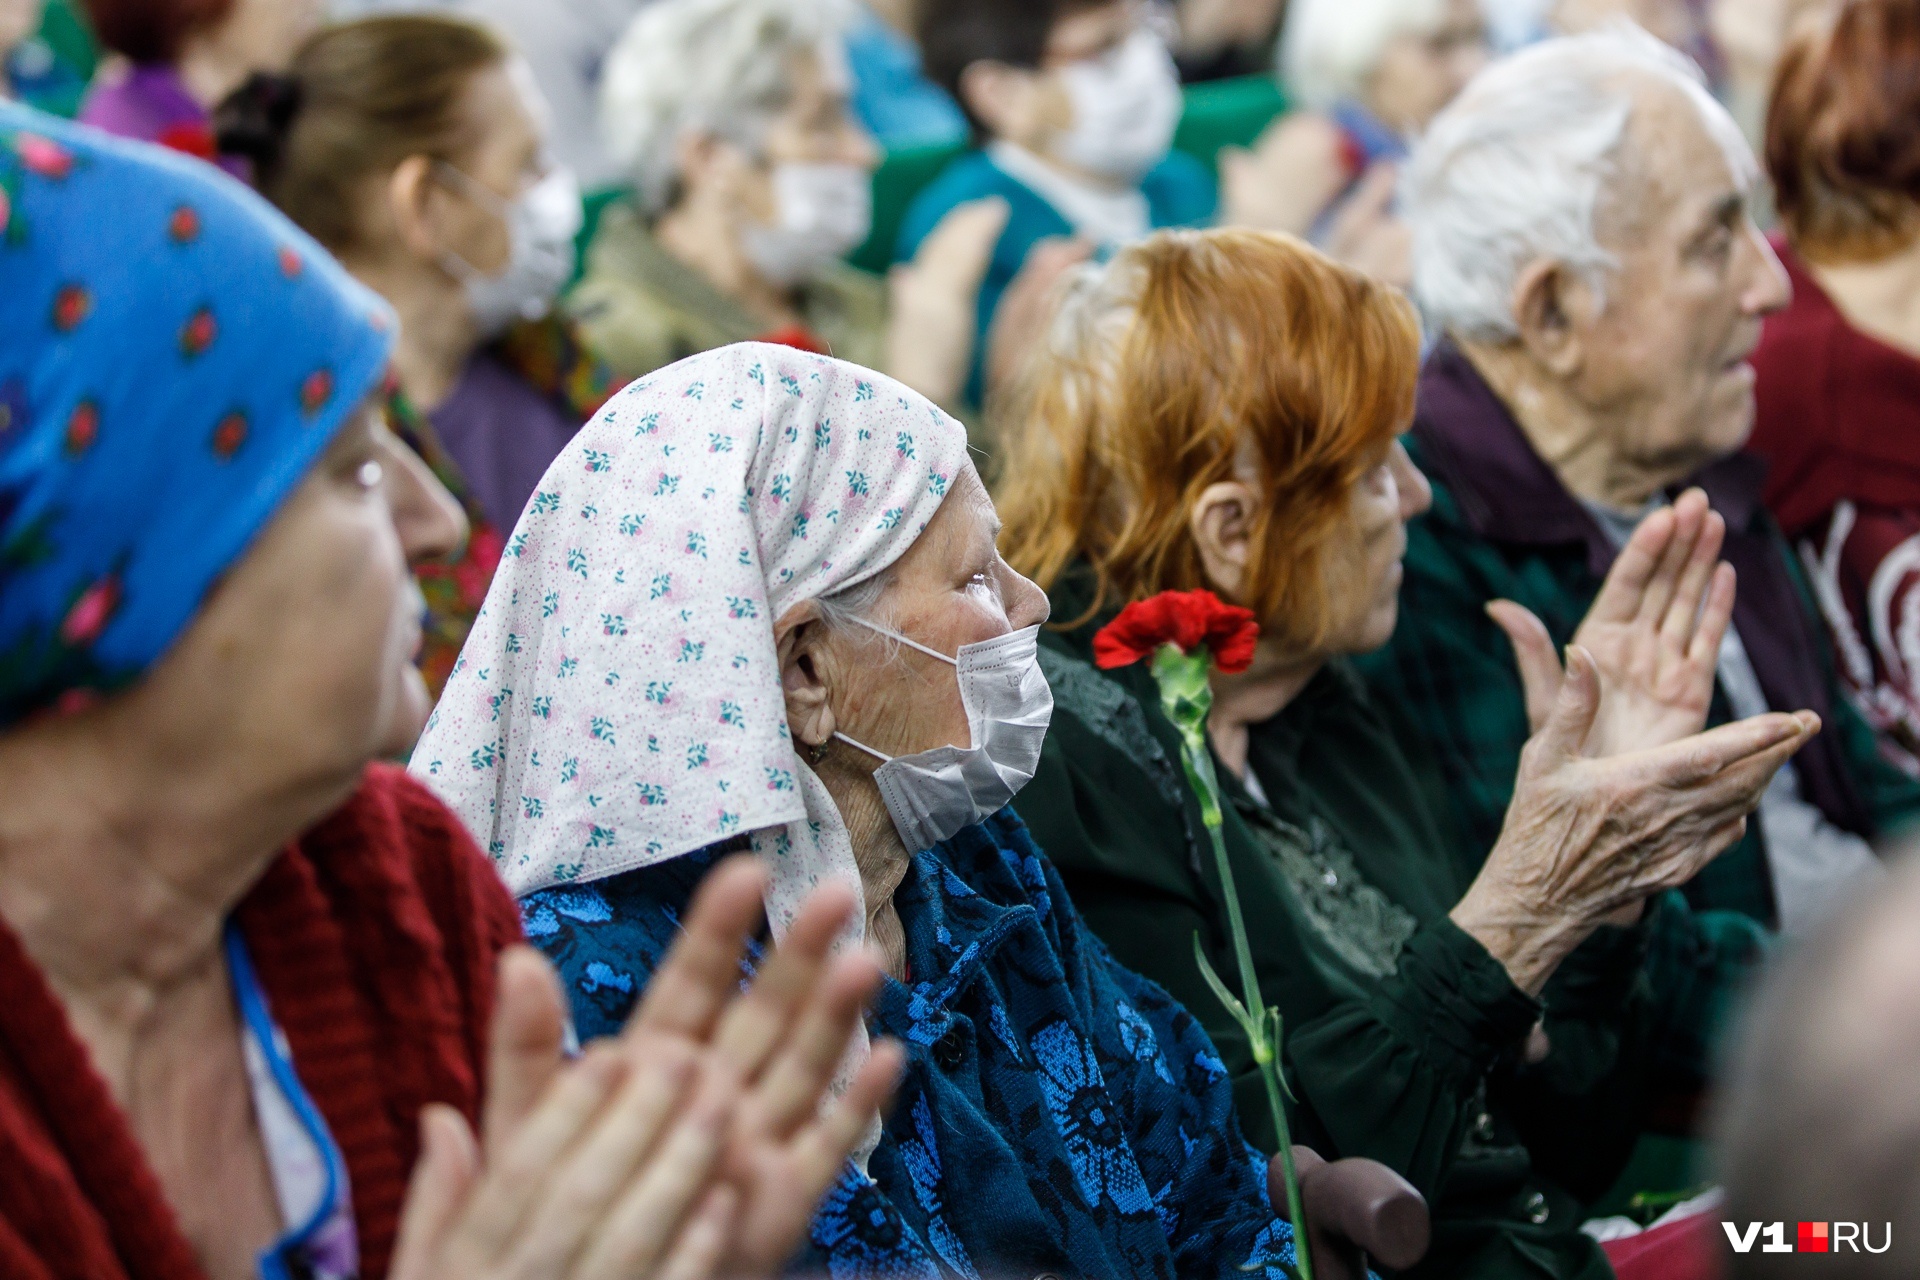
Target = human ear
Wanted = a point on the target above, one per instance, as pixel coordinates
(1222, 529)
(1550, 305)
(806, 673)
(410, 189)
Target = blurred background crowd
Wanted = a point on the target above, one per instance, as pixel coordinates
(1538, 373)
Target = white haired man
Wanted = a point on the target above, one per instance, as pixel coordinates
(1583, 247)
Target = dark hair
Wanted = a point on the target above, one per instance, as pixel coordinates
(1843, 133)
(359, 98)
(149, 31)
(955, 34)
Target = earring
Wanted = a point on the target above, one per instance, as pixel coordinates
(817, 753)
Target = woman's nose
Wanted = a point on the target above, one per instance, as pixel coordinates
(429, 521)
(1027, 604)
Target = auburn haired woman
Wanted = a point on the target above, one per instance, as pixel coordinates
(1218, 410)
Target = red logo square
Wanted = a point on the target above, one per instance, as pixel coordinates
(1813, 1237)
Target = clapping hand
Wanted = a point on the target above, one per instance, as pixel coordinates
(1654, 633)
(697, 1141)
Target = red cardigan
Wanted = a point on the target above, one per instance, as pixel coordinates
(374, 936)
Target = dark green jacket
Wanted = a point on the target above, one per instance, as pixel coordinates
(1402, 1035)
(1503, 526)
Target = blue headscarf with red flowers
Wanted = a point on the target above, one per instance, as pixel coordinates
(174, 356)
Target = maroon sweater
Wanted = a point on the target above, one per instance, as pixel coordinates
(374, 937)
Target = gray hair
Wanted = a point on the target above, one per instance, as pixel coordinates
(1330, 47)
(703, 66)
(1518, 168)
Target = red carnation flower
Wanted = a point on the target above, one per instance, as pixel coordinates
(43, 156)
(71, 305)
(83, 427)
(1187, 619)
(88, 617)
(184, 225)
(198, 333)
(229, 434)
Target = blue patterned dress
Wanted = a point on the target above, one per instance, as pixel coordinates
(1059, 1114)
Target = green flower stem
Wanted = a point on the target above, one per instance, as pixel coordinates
(1187, 697)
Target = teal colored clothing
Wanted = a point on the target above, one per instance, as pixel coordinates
(1180, 192)
(1403, 1036)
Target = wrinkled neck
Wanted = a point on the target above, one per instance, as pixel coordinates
(877, 850)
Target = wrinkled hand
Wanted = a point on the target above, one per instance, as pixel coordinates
(1654, 632)
(1588, 837)
(932, 300)
(627, 1161)
(1286, 181)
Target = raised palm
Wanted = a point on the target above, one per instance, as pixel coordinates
(1654, 631)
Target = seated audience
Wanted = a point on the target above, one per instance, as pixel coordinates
(1218, 411)
(1582, 244)
(1073, 104)
(178, 59)
(751, 181)
(1819, 1121)
(1839, 370)
(895, 101)
(413, 149)
(248, 979)
(733, 621)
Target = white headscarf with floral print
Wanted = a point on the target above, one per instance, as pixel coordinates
(618, 702)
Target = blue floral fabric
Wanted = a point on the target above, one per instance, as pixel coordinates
(174, 355)
(1058, 1113)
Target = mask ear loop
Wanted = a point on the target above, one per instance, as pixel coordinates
(890, 633)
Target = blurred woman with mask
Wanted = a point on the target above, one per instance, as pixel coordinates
(1074, 104)
(415, 148)
(752, 181)
(179, 58)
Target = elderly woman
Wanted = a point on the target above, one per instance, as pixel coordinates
(752, 180)
(1838, 385)
(249, 980)
(757, 602)
(1219, 411)
(415, 149)
(179, 58)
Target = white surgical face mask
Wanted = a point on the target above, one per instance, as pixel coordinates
(541, 224)
(821, 212)
(935, 794)
(1126, 105)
